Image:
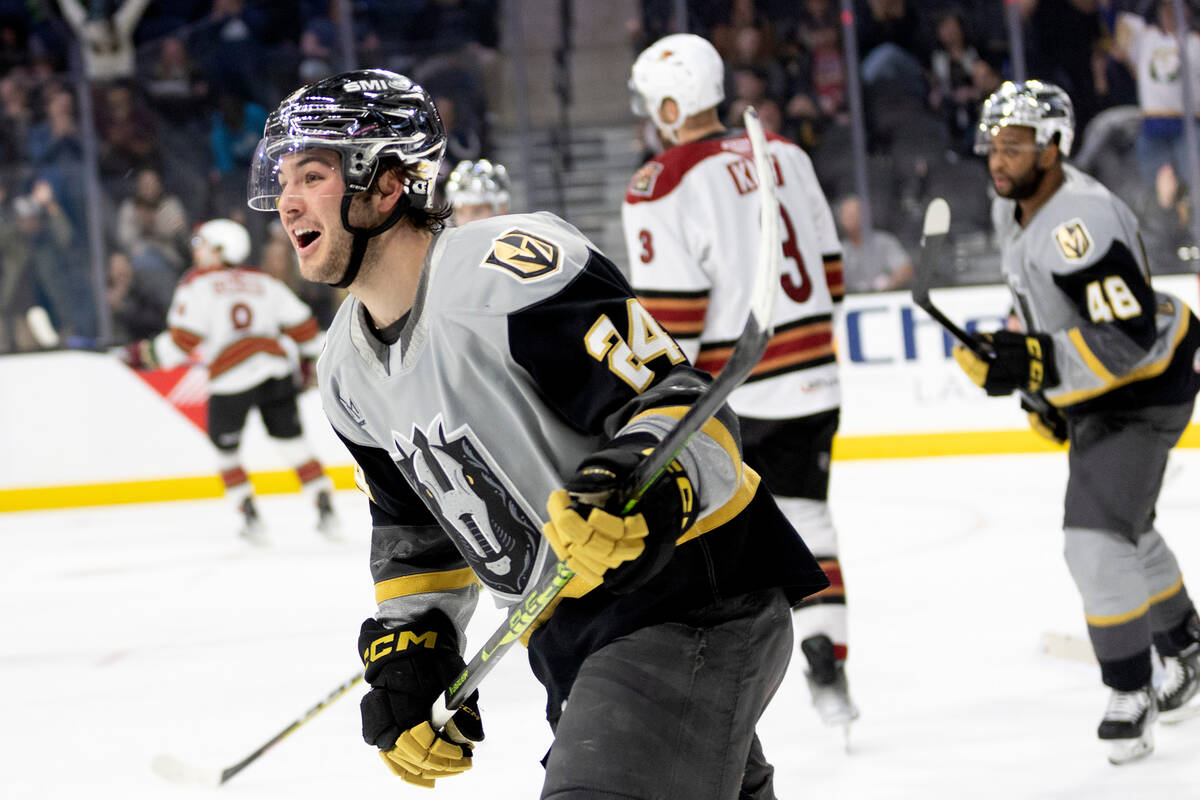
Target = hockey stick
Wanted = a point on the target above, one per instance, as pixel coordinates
(932, 255)
(177, 771)
(1067, 647)
(747, 352)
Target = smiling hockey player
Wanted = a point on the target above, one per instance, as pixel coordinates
(1118, 362)
(473, 373)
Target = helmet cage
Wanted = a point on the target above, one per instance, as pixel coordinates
(1042, 106)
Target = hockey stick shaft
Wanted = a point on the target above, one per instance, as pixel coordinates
(933, 242)
(747, 352)
(175, 770)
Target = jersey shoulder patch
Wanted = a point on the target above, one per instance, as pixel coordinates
(642, 183)
(524, 255)
(1074, 241)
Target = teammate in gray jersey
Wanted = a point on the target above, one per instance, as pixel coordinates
(475, 372)
(1118, 363)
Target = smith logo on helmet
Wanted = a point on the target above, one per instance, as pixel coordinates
(523, 255)
(374, 85)
(1073, 240)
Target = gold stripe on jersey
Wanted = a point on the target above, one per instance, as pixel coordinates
(794, 346)
(424, 582)
(747, 486)
(682, 314)
(1110, 381)
(242, 350)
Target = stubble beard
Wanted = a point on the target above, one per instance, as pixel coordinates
(1027, 186)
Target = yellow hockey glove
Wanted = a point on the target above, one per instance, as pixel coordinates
(1013, 361)
(1050, 424)
(590, 533)
(421, 756)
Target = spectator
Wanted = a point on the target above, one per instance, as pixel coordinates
(1067, 40)
(235, 128)
(106, 36)
(891, 47)
(816, 94)
(880, 265)
(1165, 214)
(1151, 50)
(36, 246)
(126, 131)
(16, 118)
(137, 300)
(56, 151)
(175, 84)
(953, 92)
(152, 226)
(230, 44)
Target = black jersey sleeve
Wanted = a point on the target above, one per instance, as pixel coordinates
(592, 348)
(414, 564)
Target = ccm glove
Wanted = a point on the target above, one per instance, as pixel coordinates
(1049, 424)
(590, 533)
(1014, 361)
(407, 669)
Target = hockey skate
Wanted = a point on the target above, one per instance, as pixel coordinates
(1177, 696)
(252, 528)
(1128, 725)
(826, 678)
(328, 524)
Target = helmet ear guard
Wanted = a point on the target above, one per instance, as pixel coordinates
(682, 67)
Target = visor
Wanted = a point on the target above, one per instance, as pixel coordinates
(263, 189)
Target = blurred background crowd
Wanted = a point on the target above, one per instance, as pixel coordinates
(126, 123)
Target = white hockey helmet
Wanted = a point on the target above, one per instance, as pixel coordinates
(683, 67)
(230, 240)
(478, 183)
(1042, 106)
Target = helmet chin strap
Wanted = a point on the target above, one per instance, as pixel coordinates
(362, 237)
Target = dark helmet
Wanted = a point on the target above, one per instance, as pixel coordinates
(365, 115)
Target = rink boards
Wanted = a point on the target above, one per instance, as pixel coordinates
(81, 429)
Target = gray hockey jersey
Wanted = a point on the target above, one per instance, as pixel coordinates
(524, 352)
(1078, 272)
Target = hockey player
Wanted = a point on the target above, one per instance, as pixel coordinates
(1118, 361)
(685, 216)
(477, 190)
(235, 318)
(473, 372)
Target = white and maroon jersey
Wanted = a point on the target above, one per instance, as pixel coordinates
(691, 220)
(235, 319)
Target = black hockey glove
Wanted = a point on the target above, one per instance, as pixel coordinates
(407, 669)
(590, 533)
(1016, 361)
(1049, 424)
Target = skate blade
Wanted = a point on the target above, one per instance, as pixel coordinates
(255, 537)
(331, 529)
(1123, 751)
(1181, 714)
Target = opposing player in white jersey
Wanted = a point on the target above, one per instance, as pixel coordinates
(235, 319)
(477, 190)
(1118, 362)
(688, 218)
(497, 383)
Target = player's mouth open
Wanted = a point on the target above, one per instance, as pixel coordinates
(305, 237)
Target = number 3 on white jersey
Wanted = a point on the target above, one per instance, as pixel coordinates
(627, 356)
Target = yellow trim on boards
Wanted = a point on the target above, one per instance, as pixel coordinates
(845, 448)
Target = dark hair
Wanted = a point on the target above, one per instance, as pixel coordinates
(431, 219)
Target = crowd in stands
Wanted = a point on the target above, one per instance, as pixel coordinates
(180, 90)
(925, 66)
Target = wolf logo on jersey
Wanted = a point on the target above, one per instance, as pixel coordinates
(462, 487)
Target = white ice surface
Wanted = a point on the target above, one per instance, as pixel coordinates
(126, 632)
